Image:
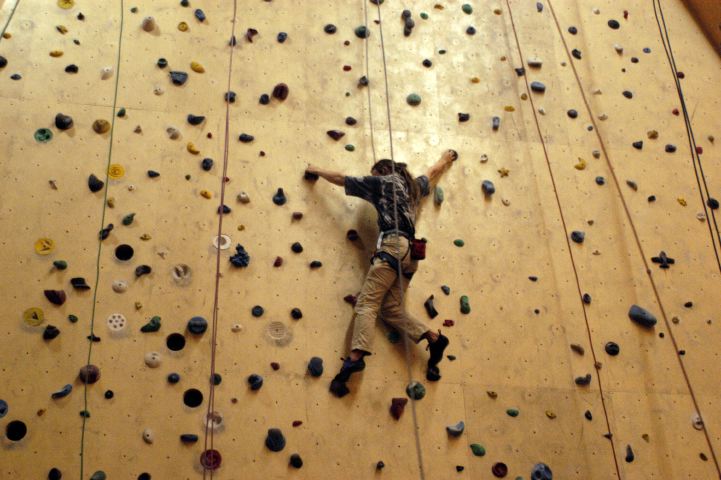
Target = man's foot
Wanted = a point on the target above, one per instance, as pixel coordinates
(437, 348)
(338, 385)
(339, 389)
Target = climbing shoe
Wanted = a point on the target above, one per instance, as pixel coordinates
(338, 385)
(437, 348)
(339, 388)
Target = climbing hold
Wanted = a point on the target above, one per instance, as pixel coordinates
(257, 311)
(243, 197)
(512, 412)
(99, 475)
(465, 305)
(56, 297)
(478, 449)
(152, 359)
(50, 332)
(245, 138)
(413, 99)
(60, 264)
(296, 247)
(362, 32)
(199, 14)
(94, 183)
(456, 430)
(670, 148)
(642, 316)
(471, 30)
(148, 24)
(43, 135)
(577, 348)
(280, 91)
(578, 236)
(496, 123)
(315, 366)
(188, 438)
(464, 117)
(192, 148)
(275, 441)
(467, 8)
(638, 145)
(576, 53)
(330, 29)
(197, 325)
(488, 188)
(446, 289)
(78, 283)
(499, 470)
(101, 126)
(229, 96)
(124, 252)
(106, 72)
(44, 246)
(119, 286)
(141, 270)
(106, 231)
(458, 242)
(173, 378)
(197, 67)
(195, 119)
(153, 325)
(148, 436)
(398, 405)
(600, 180)
(210, 459)
(438, 196)
(538, 87)
(54, 474)
(572, 113)
(629, 454)
(282, 37)
(279, 197)
(427, 63)
(178, 78)
(63, 122)
(295, 461)
(241, 258)
(63, 392)
(335, 134)
(89, 374)
(430, 309)
(415, 391)
(612, 348)
(614, 24)
(712, 203)
(541, 471)
(583, 381)
(255, 381)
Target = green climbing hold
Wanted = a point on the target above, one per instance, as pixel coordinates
(99, 475)
(128, 219)
(73, 318)
(60, 264)
(415, 390)
(424, 15)
(478, 449)
(362, 32)
(465, 305)
(121, 112)
(394, 336)
(413, 99)
(84, 414)
(467, 9)
(438, 195)
(458, 242)
(512, 412)
(152, 326)
(350, 148)
(43, 135)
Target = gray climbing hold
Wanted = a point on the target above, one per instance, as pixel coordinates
(541, 471)
(178, 78)
(63, 392)
(197, 325)
(415, 391)
(538, 87)
(456, 430)
(438, 195)
(275, 441)
(642, 316)
(315, 366)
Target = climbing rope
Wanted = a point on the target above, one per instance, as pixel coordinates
(568, 242)
(100, 242)
(214, 331)
(636, 237)
(368, 90)
(697, 166)
(7, 24)
(406, 341)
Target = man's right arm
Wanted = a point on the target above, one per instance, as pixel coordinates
(434, 173)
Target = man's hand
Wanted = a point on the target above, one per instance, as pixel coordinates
(313, 169)
(435, 172)
(449, 156)
(335, 178)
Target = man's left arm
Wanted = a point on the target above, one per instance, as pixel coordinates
(336, 178)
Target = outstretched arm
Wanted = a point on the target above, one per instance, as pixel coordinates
(336, 178)
(434, 173)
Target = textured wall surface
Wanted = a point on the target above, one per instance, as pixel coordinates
(512, 351)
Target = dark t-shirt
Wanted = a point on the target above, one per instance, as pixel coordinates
(379, 191)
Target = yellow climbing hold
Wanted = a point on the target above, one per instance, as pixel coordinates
(7, 35)
(524, 96)
(43, 246)
(145, 237)
(475, 80)
(56, 53)
(205, 194)
(652, 134)
(241, 228)
(192, 149)
(438, 6)
(33, 316)
(111, 202)
(509, 108)
(66, 4)
(581, 165)
(196, 67)
(503, 172)
(550, 414)
(682, 201)
(116, 171)
(62, 29)
(183, 27)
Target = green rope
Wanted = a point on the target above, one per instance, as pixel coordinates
(12, 13)
(100, 242)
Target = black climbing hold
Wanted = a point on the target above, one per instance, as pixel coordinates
(54, 474)
(638, 145)
(233, 41)
(224, 209)
(63, 392)
(162, 62)
(496, 123)
(296, 247)
(173, 378)
(446, 289)
(670, 148)
(541, 471)
(583, 381)
(428, 304)
(572, 113)
(712, 203)
(56, 297)
(629, 454)
(296, 461)
(572, 30)
(217, 379)
(664, 260)
(229, 96)
(78, 283)
(538, 87)
(280, 91)
(600, 180)
(296, 314)
(255, 381)
(193, 397)
(460, 468)
(335, 134)
(279, 197)
(144, 476)
(688, 304)
(199, 14)
(614, 24)
(427, 63)
(94, 183)
(628, 94)
(282, 37)
(350, 121)
(576, 53)
(363, 81)
(63, 122)
(264, 99)
(197, 325)
(109, 394)
(3, 61)
(124, 252)
(152, 326)
(380, 465)
(641, 316)
(471, 30)
(257, 311)
(464, 117)
(315, 366)
(195, 119)
(3, 408)
(488, 188)
(588, 415)
(188, 438)
(578, 236)
(60, 264)
(533, 278)
(178, 78)
(612, 348)
(499, 469)
(245, 138)
(330, 29)
(586, 298)
(405, 14)
(206, 164)
(16, 430)
(362, 32)
(175, 342)
(153, 174)
(241, 257)
(72, 68)
(16, 76)
(121, 113)
(73, 318)
(275, 441)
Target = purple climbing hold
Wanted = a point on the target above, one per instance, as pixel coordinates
(281, 91)
(200, 15)
(89, 374)
(578, 236)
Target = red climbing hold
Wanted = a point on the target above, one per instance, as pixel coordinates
(675, 111)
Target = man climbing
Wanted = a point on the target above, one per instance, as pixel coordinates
(381, 290)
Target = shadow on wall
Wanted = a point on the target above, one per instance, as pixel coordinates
(708, 15)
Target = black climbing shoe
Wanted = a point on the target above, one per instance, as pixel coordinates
(437, 348)
(339, 389)
(338, 385)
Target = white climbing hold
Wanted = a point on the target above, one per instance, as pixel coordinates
(596, 10)
(148, 435)
(158, 90)
(701, 217)
(106, 72)
(152, 359)
(222, 242)
(618, 48)
(541, 110)
(116, 322)
(236, 328)
(484, 158)
(243, 197)
(120, 286)
(214, 421)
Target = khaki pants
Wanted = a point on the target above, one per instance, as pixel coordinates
(381, 294)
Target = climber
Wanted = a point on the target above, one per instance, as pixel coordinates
(380, 292)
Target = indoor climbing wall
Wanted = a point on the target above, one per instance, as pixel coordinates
(178, 294)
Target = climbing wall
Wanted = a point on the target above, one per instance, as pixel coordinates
(590, 260)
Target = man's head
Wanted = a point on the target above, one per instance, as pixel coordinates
(382, 167)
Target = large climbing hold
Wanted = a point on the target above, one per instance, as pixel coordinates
(541, 471)
(275, 441)
(642, 316)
